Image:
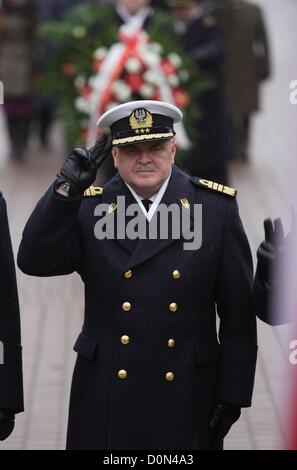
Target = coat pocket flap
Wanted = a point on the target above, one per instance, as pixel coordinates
(86, 345)
(206, 351)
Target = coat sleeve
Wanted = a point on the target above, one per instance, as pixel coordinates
(51, 240)
(11, 377)
(235, 307)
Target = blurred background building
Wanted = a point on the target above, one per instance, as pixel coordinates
(262, 167)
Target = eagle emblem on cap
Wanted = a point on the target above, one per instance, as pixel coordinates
(141, 118)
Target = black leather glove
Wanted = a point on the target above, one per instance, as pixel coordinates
(80, 168)
(223, 417)
(6, 424)
(270, 249)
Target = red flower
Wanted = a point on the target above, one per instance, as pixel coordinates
(168, 67)
(135, 81)
(181, 98)
(85, 90)
(68, 69)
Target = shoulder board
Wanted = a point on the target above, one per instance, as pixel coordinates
(214, 186)
(93, 191)
(209, 21)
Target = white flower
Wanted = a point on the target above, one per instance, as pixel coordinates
(173, 80)
(175, 59)
(152, 58)
(151, 77)
(121, 90)
(146, 90)
(82, 105)
(79, 32)
(95, 82)
(100, 53)
(184, 75)
(133, 65)
(79, 81)
(156, 47)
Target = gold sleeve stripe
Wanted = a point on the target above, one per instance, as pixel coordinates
(93, 191)
(217, 187)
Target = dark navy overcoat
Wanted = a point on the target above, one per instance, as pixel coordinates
(11, 379)
(152, 361)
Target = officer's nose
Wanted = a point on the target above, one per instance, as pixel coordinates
(144, 158)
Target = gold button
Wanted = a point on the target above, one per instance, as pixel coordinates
(176, 274)
(171, 343)
(125, 339)
(128, 274)
(126, 306)
(173, 307)
(169, 376)
(122, 374)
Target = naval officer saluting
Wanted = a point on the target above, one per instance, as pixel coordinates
(152, 370)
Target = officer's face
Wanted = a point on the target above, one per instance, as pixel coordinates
(145, 166)
(133, 6)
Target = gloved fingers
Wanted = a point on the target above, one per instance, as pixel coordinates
(269, 230)
(98, 146)
(100, 151)
(279, 236)
(267, 251)
(81, 152)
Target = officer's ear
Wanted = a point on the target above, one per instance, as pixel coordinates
(115, 153)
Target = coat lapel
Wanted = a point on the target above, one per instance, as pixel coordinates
(178, 189)
(112, 190)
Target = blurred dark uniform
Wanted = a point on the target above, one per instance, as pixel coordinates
(202, 39)
(246, 65)
(18, 24)
(150, 369)
(45, 104)
(11, 381)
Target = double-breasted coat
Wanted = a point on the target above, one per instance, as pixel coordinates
(151, 365)
(11, 379)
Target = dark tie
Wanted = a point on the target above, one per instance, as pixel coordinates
(147, 203)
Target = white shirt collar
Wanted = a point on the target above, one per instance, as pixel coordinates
(156, 198)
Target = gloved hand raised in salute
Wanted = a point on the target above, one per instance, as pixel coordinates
(80, 168)
(270, 250)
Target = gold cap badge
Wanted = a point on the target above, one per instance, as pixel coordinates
(141, 118)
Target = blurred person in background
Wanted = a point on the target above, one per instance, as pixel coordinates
(11, 380)
(18, 21)
(45, 103)
(247, 64)
(202, 39)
